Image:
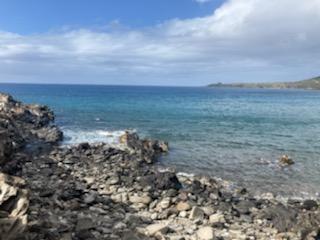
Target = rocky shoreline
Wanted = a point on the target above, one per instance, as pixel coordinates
(98, 191)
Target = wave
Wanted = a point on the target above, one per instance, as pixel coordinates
(94, 136)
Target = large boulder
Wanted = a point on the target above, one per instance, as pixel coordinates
(13, 206)
(50, 134)
(161, 180)
(146, 148)
(283, 218)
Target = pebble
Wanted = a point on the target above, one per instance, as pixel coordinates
(183, 206)
(165, 203)
(89, 180)
(84, 224)
(140, 199)
(217, 218)
(152, 229)
(90, 198)
(196, 213)
(206, 233)
(183, 214)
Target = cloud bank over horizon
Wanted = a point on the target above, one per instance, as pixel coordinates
(241, 41)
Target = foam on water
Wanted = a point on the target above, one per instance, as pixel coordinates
(80, 136)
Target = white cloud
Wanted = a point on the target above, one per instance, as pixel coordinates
(243, 40)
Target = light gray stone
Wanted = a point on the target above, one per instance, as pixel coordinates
(206, 233)
(196, 213)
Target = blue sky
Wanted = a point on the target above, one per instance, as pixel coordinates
(153, 42)
(34, 16)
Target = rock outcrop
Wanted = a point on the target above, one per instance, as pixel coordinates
(21, 124)
(25, 119)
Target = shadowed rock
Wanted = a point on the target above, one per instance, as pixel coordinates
(6, 147)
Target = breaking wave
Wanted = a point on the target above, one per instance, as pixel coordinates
(95, 136)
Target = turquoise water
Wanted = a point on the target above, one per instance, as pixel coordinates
(235, 134)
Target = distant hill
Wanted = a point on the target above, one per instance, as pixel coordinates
(313, 83)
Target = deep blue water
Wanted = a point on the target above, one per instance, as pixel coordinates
(235, 134)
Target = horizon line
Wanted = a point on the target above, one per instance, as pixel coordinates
(101, 84)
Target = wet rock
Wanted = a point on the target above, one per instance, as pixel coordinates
(309, 205)
(161, 180)
(148, 148)
(161, 146)
(84, 146)
(131, 140)
(285, 160)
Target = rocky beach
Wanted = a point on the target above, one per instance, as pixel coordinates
(100, 191)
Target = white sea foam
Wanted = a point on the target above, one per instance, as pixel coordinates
(79, 136)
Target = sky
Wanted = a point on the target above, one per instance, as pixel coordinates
(152, 42)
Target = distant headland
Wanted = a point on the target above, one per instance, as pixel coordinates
(313, 84)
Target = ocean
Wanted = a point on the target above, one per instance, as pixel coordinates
(234, 134)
